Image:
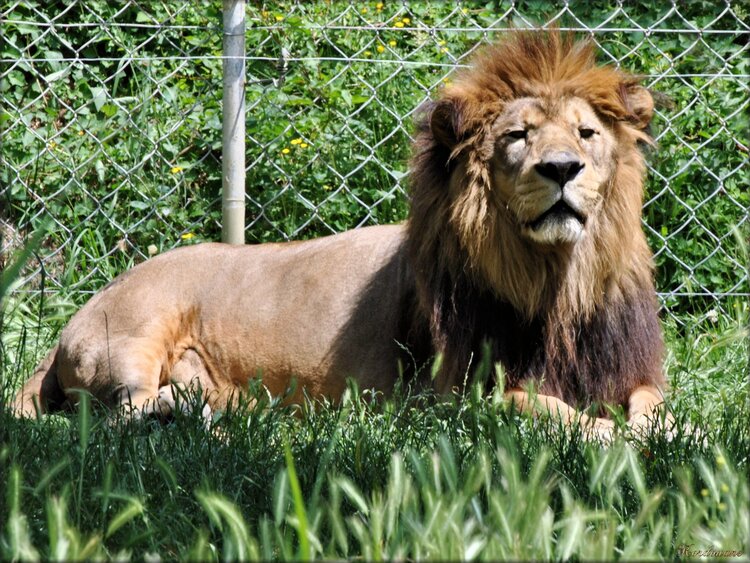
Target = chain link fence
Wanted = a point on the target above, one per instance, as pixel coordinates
(111, 125)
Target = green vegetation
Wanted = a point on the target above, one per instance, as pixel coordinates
(394, 479)
(122, 154)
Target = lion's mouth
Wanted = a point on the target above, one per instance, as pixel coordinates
(560, 211)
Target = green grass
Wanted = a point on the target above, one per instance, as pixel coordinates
(409, 477)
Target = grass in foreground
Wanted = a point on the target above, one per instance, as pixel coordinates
(388, 479)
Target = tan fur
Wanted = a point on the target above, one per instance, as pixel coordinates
(348, 305)
(225, 314)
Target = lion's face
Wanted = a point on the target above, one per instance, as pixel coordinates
(551, 163)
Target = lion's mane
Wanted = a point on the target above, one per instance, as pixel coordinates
(582, 325)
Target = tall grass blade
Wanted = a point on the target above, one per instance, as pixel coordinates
(238, 545)
(84, 419)
(20, 547)
(133, 509)
(305, 552)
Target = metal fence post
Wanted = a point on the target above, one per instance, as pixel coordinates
(233, 123)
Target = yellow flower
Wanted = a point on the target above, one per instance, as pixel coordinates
(80, 133)
(379, 6)
(399, 24)
(176, 169)
(380, 48)
(296, 141)
(285, 150)
(406, 21)
(279, 18)
(186, 236)
(444, 50)
(303, 145)
(441, 42)
(392, 43)
(52, 144)
(364, 10)
(368, 53)
(704, 492)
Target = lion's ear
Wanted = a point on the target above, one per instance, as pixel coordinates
(446, 122)
(641, 105)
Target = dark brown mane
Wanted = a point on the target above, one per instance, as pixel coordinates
(585, 324)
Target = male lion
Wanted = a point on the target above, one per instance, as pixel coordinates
(524, 236)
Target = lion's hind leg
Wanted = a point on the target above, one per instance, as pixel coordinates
(534, 404)
(189, 382)
(42, 392)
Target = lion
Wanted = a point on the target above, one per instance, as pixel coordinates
(523, 238)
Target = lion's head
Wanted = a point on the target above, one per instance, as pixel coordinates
(526, 187)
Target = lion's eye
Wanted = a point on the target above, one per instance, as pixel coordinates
(586, 132)
(517, 134)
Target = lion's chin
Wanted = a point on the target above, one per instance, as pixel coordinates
(556, 230)
(561, 224)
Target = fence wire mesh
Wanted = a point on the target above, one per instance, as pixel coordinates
(111, 124)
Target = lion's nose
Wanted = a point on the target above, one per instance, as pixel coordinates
(561, 167)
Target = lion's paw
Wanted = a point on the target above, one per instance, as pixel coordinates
(168, 403)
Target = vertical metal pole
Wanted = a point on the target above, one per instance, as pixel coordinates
(233, 124)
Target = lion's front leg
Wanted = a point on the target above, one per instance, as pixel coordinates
(534, 404)
(644, 405)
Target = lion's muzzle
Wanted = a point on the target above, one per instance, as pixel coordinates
(560, 211)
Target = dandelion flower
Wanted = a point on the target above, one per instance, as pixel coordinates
(364, 10)
(445, 50)
(52, 144)
(285, 150)
(380, 48)
(441, 42)
(279, 18)
(296, 141)
(406, 21)
(303, 145)
(392, 43)
(368, 53)
(399, 24)
(176, 169)
(379, 6)
(187, 236)
(80, 133)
